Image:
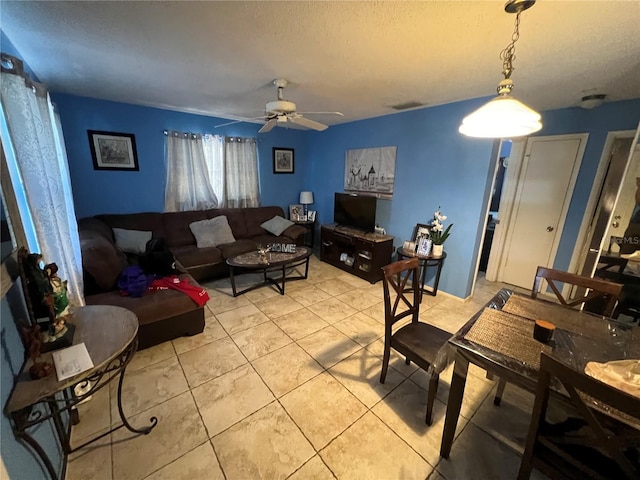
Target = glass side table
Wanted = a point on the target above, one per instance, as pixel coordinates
(110, 335)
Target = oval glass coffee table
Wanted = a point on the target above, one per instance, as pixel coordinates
(270, 262)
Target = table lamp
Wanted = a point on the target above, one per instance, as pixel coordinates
(306, 198)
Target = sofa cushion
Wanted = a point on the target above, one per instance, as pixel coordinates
(235, 217)
(295, 231)
(254, 217)
(191, 256)
(152, 306)
(244, 245)
(101, 260)
(277, 225)
(147, 222)
(176, 227)
(212, 232)
(131, 241)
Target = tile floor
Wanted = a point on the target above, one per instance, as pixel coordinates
(286, 387)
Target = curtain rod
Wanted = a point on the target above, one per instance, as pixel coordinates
(196, 135)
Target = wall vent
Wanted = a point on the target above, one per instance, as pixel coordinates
(406, 105)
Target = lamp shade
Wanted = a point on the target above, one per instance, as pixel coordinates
(502, 117)
(306, 198)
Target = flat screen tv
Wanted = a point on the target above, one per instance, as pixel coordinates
(357, 211)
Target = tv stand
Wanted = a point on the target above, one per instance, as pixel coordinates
(356, 251)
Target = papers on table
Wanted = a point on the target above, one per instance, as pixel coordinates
(71, 361)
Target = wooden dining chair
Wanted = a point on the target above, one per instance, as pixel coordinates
(601, 295)
(601, 298)
(417, 341)
(590, 444)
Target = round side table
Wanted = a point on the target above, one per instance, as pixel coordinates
(425, 261)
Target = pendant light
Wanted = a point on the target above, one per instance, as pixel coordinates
(504, 116)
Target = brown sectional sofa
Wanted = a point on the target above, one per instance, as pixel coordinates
(168, 314)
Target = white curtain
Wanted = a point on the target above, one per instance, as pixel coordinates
(32, 135)
(209, 171)
(241, 173)
(188, 186)
(214, 155)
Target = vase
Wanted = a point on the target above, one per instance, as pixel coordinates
(436, 251)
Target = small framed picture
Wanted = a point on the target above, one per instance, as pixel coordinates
(296, 213)
(113, 151)
(311, 216)
(424, 246)
(421, 230)
(283, 161)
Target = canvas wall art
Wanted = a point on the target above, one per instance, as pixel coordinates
(370, 170)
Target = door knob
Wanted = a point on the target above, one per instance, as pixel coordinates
(549, 228)
(615, 224)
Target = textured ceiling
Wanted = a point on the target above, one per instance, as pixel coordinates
(219, 58)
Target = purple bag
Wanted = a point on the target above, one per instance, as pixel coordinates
(134, 281)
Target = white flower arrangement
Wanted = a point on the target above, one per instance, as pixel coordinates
(438, 233)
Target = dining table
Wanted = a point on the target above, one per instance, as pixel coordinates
(499, 338)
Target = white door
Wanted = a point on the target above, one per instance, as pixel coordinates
(545, 185)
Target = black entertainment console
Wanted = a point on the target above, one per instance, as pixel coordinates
(356, 251)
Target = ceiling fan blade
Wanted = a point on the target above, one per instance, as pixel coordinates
(322, 113)
(238, 121)
(267, 127)
(305, 122)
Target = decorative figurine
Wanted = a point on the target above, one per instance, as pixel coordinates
(32, 339)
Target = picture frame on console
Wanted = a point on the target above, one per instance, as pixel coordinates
(296, 213)
(113, 151)
(421, 231)
(311, 216)
(283, 160)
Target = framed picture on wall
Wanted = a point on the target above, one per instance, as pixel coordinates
(283, 161)
(113, 151)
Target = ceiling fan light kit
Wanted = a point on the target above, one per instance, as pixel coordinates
(504, 116)
(281, 113)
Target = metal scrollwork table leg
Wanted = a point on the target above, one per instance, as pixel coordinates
(28, 417)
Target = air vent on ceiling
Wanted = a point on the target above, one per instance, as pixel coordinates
(406, 105)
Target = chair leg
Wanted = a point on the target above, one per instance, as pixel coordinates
(385, 363)
(498, 398)
(433, 389)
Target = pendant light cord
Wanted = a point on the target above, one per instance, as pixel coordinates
(508, 55)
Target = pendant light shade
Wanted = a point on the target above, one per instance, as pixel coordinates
(502, 117)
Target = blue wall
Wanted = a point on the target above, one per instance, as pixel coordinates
(435, 166)
(99, 191)
(597, 123)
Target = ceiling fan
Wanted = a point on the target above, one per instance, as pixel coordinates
(281, 112)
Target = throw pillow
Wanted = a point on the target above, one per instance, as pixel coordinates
(277, 225)
(213, 232)
(131, 241)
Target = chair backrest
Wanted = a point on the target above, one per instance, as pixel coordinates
(396, 277)
(584, 392)
(597, 290)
